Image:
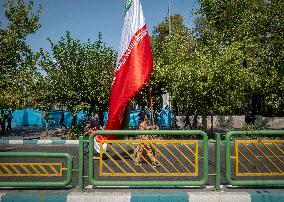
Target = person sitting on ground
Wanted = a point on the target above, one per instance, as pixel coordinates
(145, 149)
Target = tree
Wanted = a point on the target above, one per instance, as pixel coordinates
(79, 75)
(202, 75)
(17, 61)
(169, 51)
(257, 25)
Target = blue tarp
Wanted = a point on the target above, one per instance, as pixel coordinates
(32, 117)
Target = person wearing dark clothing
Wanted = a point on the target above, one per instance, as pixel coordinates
(61, 121)
(2, 121)
(249, 118)
(95, 122)
(187, 122)
(9, 120)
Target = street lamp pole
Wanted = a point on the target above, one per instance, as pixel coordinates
(169, 16)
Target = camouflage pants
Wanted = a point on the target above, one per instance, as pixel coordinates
(144, 150)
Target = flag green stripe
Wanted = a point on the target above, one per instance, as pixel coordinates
(128, 4)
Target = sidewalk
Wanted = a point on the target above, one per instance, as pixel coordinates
(34, 132)
(36, 135)
(140, 195)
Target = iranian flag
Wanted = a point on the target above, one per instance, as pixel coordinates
(134, 64)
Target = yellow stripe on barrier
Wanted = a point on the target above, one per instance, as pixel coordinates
(259, 158)
(31, 169)
(156, 149)
(174, 158)
(144, 159)
(131, 156)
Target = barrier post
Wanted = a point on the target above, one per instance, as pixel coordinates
(81, 163)
(217, 161)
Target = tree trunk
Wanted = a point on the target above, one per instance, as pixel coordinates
(211, 123)
(175, 112)
(204, 120)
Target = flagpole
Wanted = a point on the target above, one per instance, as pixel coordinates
(151, 106)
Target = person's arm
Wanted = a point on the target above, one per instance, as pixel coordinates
(152, 127)
(141, 127)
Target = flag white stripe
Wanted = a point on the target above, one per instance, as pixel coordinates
(133, 21)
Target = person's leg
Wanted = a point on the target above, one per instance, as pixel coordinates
(3, 128)
(139, 151)
(9, 125)
(150, 153)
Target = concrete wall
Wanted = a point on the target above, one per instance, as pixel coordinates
(231, 122)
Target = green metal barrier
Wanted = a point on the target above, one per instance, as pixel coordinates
(35, 169)
(81, 163)
(217, 161)
(147, 183)
(259, 173)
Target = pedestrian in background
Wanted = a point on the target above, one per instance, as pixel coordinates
(9, 121)
(2, 121)
(61, 121)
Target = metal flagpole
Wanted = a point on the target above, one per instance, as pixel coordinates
(151, 106)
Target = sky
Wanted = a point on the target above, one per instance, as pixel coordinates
(86, 18)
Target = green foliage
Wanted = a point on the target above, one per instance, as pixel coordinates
(169, 51)
(79, 75)
(258, 26)
(17, 62)
(233, 54)
(212, 80)
(201, 77)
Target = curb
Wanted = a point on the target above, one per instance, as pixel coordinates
(57, 142)
(141, 196)
(40, 142)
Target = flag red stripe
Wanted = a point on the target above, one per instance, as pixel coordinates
(133, 71)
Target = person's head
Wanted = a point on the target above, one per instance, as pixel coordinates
(96, 115)
(144, 117)
(88, 124)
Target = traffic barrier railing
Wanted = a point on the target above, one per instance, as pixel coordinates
(27, 169)
(184, 159)
(255, 161)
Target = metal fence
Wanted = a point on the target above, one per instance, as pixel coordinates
(254, 162)
(180, 162)
(28, 168)
(184, 159)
